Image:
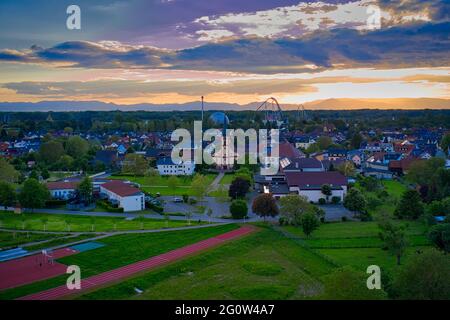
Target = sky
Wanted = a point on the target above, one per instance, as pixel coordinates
(230, 51)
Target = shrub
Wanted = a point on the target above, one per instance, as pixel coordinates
(55, 203)
(154, 207)
(344, 219)
(373, 202)
(108, 207)
(322, 201)
(192, 201)
(335, 200)
(185, 198)
(238, 209)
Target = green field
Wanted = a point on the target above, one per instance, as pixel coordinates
(14, 239)
(264, 265)
(122, 250)
(74, 223)
(357, 243)
(395, 190)
(227, 178)
(154, 184)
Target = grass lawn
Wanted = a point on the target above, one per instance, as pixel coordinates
(357, 243)
(33, 221)
(13, 239)
(395, 190)
(154, 184)
(121, 250)
(354, 229)
(58, 242)
(264, 265)
(361, 258)
(228, 178)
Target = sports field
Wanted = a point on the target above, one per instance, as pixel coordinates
(121, 250)
(79, 223)
(157, 183)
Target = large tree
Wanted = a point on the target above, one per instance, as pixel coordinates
(440, 236)
(410, 205)
(7, 194)
(309, 222)
(445, 143)
(393, 237)
(292, 207)
(51, 151)
(134, 164)
(425, 276)
(7, 172)
(264, 205)
(199, 186)
(76, 147)
(238, 188)
(33, 194)
(356, 140)
(85, 190)
(238, 209)
(347, 168)
(355, 201)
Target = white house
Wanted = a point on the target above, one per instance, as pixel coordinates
(63, 190)
(167, 167)
(309, 184)
(127, 196)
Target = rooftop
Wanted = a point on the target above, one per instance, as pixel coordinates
(121, 188)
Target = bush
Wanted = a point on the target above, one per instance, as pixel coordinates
(344, 219)
(108, 207)
(55, 203)
(373, 202)
(154, 207)
(238, 209)
(322, 201)
(335, 200)
(185, 198)
(192, 201)
(440, 236)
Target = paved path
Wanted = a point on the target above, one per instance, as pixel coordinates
(121, 273)
(215, 184)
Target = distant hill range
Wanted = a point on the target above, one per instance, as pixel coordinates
(327, 104)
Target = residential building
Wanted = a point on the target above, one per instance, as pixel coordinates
(167, 167)
(124, 194)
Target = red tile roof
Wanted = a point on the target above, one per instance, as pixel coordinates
(307, 179)
(121, 188)
(62, 185)
(287, 150)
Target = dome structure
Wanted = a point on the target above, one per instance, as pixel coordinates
(219, 119)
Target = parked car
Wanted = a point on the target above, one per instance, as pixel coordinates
(177, 200)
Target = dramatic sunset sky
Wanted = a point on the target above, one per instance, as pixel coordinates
(233, 51)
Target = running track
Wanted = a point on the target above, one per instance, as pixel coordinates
(19, 272)
(144, 265)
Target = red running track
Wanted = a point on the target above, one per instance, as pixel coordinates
(30, 269)
(144, 265)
